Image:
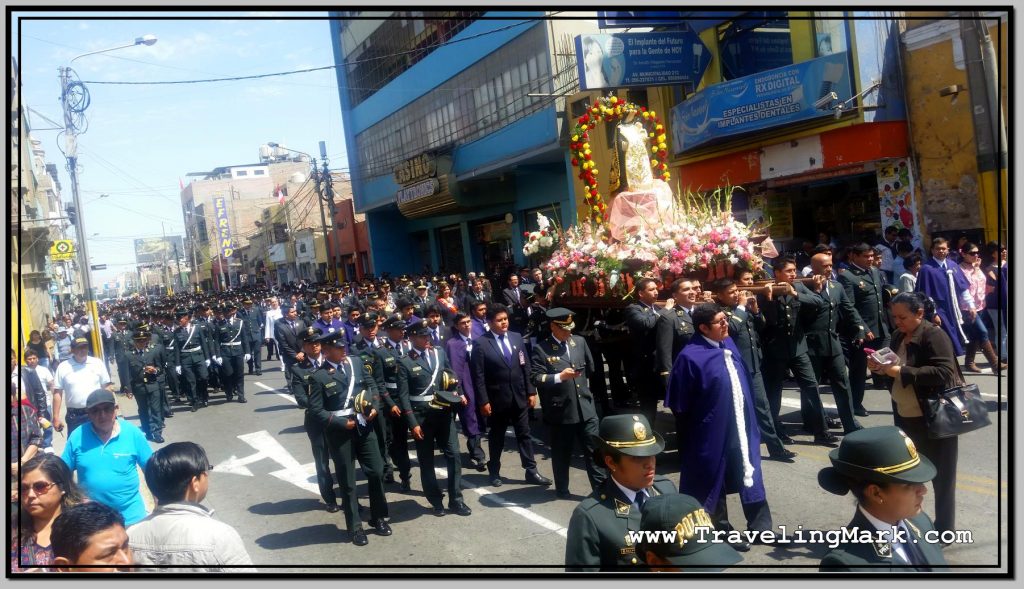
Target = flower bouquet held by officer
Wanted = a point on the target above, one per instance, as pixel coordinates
(341, 399)
(145, 363)
(719, 441)
(883, 470)
(599, 536)
(684, 516)
(561, 366)
(428, 391)
(301, 374)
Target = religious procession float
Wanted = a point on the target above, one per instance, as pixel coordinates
(647, 230)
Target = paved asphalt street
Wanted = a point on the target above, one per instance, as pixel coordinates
(263, 485)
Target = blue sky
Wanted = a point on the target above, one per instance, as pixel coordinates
(141, 139)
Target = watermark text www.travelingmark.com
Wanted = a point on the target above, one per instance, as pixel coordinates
(832, 538)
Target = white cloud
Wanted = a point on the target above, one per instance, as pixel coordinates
(265, 91)
(83, 26)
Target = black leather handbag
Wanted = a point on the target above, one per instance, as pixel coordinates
(957, 410)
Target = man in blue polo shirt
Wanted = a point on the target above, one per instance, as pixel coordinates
(106, 456)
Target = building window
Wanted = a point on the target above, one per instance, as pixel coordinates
(259, 172)
(240, 173)
(756, 42)
(829, 33)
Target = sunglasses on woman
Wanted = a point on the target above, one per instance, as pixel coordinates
(38, 487)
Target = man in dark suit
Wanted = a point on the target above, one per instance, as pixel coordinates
(459, 346)
(286, 331)
(674, 327)
(864, 285)
(255, 319)
(561, 365)
(439, 332)
(641, 318)
(501, 381)
(513, 300)
(478, 319)
(785, 346)
(474, 296)
(823, 347)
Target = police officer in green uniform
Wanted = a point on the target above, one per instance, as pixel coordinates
(561, 366)
(823, 346)
(301, 373)
(886, 474)
(674, 327)
(208, 330)
(395, 347)
(424, 375)
(599, 536)
(235, 351)
(122, 342)
(864, 286)
(646, 385)
(145, 363)
(785, 346)
(367, 349)
(341, 401)
(168, 379)
(191, 358)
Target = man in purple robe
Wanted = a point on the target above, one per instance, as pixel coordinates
(716, 425)
(459, 347)
(945, 283)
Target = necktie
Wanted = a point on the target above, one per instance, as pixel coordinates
(429, 363)
(506, 350)
(640, 499)
(433, 336)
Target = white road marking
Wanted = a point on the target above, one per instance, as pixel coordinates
(277, 392)
(268, 447)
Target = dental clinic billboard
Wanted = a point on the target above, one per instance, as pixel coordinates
(640, 59)
(761, 101)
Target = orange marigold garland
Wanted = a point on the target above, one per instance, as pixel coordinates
(609, 109)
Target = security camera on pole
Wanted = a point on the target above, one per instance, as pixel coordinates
(74, 97)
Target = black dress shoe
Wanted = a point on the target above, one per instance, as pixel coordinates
(563, 494)
(229, 397)
(241, 399)
(833, 423)
(784, 456)
(460, 508)
(437, 510)
(168, 415)
(157, 438)
(861, 412)
(381, 527)
(389, 478)
(786, 439)
(741, 546)
(194, 408)
(333, 508)
(406, 486)
(204, 404)
(359, 538)
(535, 478)
(826, 439)
(259, 373)
(479, 465)
(495, 481)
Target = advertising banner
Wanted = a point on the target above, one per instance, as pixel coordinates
(224, 242)
(640, 59)
(896, 198)
(764, 100)
(157, 249)
(627, 19)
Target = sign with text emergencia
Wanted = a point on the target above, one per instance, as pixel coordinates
(224, 243)
(761, 101)
(640, 59)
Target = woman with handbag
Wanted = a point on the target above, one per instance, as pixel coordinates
(927, 367)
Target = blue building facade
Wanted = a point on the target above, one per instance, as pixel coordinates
(452, 127)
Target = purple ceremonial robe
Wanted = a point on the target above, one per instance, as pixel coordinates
(932, 281)
(700, 395)
(455, 346)
(479, 328)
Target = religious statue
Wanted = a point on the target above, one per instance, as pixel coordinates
(644, 200)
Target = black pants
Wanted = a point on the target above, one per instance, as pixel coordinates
(858, 368)
(438, 427)
(151, 407)
(255, 358)
(122, 373)
(834, 368)
(399, 430)
(345, 446)
(321, 461)
(76, 418)
(943, 454)
(380, 427)
(766, 420)
(758, 515)
(499, 421)
(563, 438)
(272, 349)
(811, 410)
(233, 376)
(193, 378)
(648, 389)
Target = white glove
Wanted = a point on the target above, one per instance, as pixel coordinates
(207, 362)
(178, 370)
(247, 357)
(219, 361)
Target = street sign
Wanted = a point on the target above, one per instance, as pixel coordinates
(99, 267)
(62, 250)
(640, 59)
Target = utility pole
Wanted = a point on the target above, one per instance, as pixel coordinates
(328, 194)
(177, 263)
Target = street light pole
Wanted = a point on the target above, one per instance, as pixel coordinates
(315, 175)
(74, 100)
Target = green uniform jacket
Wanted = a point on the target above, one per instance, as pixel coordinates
(822, 326)
(328, 392)
(744, 329)
(672, 331)
(598, 536)
(152, 355)
(414, 380)
(373, 365)
(569, 401)
(864, 288)
(302, 372)
(783, 336)
(232, 338)
(878, 557)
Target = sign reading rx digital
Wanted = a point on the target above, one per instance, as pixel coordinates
(764, 100)
(640, 59)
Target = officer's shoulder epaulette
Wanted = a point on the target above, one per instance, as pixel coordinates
(588, 504)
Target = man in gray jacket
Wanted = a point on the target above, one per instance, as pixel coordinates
(181, 531)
